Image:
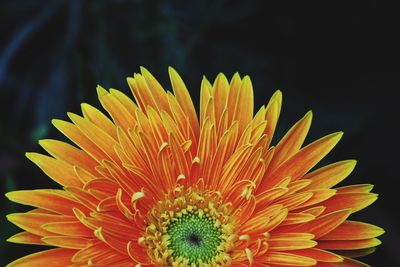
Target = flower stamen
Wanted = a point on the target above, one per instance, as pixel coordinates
(190, 228)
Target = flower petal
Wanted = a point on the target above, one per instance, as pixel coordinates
(26, 238)
(354, 201)
(58, 257)
(156, 90)
(330, 175)
(348, 244)
(272, 112)
(68, 228)
(54, 200)
(73, 242)
(319, 255)
(352, 230)
(302, 161)
(292, 141)
(32, 222)
(184, 99)
(97, 117)
(288, 259)
(56, 169)
(324, 224)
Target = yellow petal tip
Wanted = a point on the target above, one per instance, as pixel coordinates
(143, 70)
(336, 136)
(86, 106)
(130, 80)
(55, 121)
(32, 156)
(9, 195)
(101, 91)
(73, 116)
(8, 216)
(277, 94)
(171, 69)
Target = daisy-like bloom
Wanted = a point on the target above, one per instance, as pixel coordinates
(154, 184)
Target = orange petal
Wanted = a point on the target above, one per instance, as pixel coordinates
(254, 225)
(356, 188)
(83, 197)
(205, 149)
(141, 92)
(245, 104)
(318, 196)
(350, 263)
(73, 242)
(272, 112)
(73, 228)
(316, 211)
(71, 131)
(121, 116)
(352, 230)
(84, 175)
(69, 154)
(302, 161)
(266, 197)
(156, 90)
(32, 222)
(125, 101)
(184, 99)
(297, 218)
(234, 87)
(222, 154)
(288, 259)
(180, 118)
(348, 244)
(104, 185)
(220, 92)
(99, 137)
(57, 201)
(118, 244)
(277, 220)
(138, 253)
(205, 95)
(330, 175)
(319, 255)
(354, 201)
(292, 141)
(59, 257)
(26, 238)
(99, 119)
(56, 169)
(181, 162)
(295, 200)
(233, 166)
(357, 253)
(290, 241)
(245, 212)
(297, 185)
(94, 252)
(324, 224)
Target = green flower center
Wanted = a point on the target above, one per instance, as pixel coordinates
(194, 237)
(190, 229)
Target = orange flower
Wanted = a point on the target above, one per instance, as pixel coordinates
(157, 185)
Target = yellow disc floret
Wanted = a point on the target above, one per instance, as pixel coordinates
(190, 228)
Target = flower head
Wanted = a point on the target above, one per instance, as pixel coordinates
(154, 184)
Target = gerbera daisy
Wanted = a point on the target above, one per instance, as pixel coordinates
(155, 184)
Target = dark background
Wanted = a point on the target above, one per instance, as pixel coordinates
(342, 65)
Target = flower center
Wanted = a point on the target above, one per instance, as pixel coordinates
(194, 238)
(190, 228)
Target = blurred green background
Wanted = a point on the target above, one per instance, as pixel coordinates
(343, 66)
